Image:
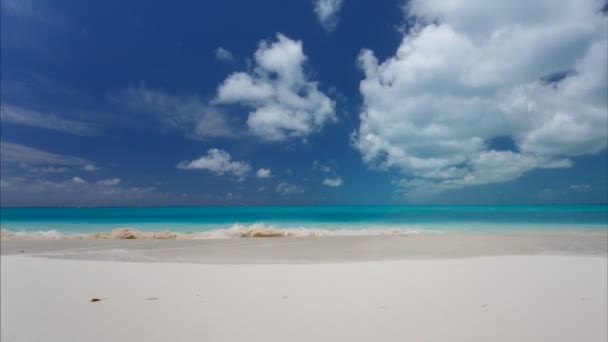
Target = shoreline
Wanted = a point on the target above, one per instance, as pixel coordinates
(261, 230)
(316, 249)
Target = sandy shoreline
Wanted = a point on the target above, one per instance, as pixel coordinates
(414, 289)
(316, 249)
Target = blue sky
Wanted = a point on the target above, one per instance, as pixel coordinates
(303, 102)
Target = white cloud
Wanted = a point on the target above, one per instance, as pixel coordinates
(285, 103)
(109, 182)
(327, 13)
(469, 72)
(29, 117)
(11, 153)
(263, 173)
(318, 166)
(219, 162)
(78, 180)
(36, 191)
(223, 54)
(288, 189)
(186, 113)
(333, 182)
(90, 167)
(31, 188)
(580, 187)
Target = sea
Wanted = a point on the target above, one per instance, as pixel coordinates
(248, 221)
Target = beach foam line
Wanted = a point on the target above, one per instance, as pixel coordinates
(256, 230)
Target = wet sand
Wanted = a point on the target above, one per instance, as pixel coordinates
(316, 249)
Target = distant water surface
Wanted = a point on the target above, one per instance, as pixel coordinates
(311, 219)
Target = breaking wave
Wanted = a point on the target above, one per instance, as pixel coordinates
(257, 230)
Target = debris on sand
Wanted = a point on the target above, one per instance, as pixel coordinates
(260, 232)
(132, 234)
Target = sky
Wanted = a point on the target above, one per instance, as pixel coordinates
(304, 102)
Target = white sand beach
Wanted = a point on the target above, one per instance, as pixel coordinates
(46, 294)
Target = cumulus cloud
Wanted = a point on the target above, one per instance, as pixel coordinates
(288, 189)
(78, 180)
(185, 113)
(219, 162)
(327, 13)
(285, 103)
(333, 182)
(109, 182)
(223, 54)
(263, 173)
(469, 72)
(29, 117)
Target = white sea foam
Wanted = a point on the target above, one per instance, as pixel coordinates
(234, 231)
(52, 234)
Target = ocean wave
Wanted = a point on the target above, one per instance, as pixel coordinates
(257, 230)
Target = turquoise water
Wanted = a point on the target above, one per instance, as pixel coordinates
(328, 218)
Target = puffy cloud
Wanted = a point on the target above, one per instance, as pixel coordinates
(288, 189)
(186, 113)
(223, 54)
(78, 180)
(109, 182)
(29, 117)
(285, 103)
(219, 162)
(468, 73)
(263, 173)
(11, 153)
(333, 182)
(327, 13)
